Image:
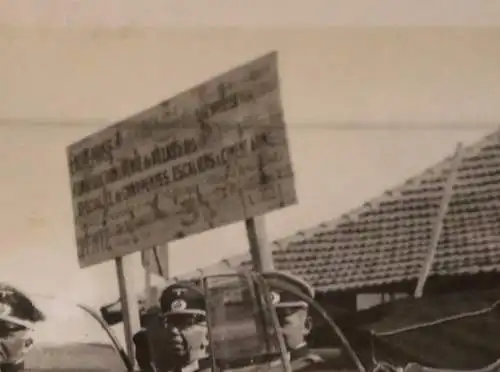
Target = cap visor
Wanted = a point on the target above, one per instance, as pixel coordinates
(187, 311)
(16, 321)
(297, 304)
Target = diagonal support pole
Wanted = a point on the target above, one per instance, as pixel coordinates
(438, 227)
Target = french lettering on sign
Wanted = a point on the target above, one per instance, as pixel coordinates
(209, 156)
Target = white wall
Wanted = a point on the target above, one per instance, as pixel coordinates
(367, 300)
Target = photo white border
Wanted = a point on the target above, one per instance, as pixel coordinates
(255, 13)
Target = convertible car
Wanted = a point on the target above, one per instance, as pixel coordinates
(446, 333)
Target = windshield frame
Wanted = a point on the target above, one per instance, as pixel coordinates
(266, 302)
(129, 365)
(262, 296)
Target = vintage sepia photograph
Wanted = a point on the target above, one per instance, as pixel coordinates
(249, 186)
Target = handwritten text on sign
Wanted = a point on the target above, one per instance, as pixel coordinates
(210, 156)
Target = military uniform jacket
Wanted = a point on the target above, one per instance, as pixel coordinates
(302, 360)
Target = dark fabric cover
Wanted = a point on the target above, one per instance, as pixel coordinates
(454, 331)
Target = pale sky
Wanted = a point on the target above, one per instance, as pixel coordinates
(365, 110)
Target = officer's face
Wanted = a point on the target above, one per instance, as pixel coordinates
(16, 339)
(188, 336)
(295, 324)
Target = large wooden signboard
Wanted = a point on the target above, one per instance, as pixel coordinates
(210, 156)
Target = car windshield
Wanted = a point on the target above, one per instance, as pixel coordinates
(245, 327)
(241, 326)
(70, 339)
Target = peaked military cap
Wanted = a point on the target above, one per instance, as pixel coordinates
(17, 308)
(182, 298)
(280, 296)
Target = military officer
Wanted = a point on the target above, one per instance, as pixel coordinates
(294, 319)
(15, 342)
(18, 315)
(174, 337)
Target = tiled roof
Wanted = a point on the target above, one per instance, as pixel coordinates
(454, 331)
(386, 240)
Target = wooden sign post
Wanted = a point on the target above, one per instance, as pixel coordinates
(147, 287)
(262, 256)
(155, 261)
(129, 304)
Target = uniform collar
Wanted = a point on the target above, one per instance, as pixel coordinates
(299, 352)
(198, 365)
